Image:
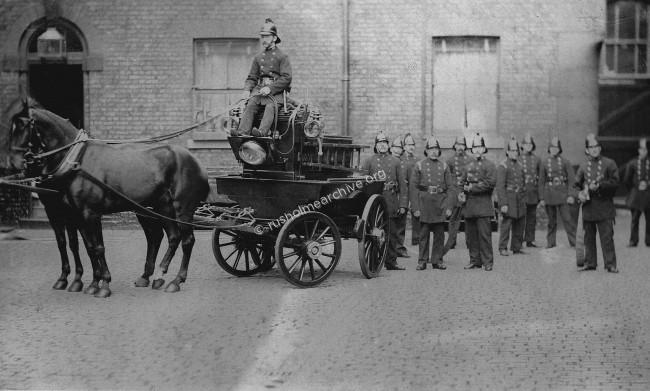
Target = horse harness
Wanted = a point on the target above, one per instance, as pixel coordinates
(71, 162)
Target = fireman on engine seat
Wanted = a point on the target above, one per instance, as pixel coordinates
(268, 79)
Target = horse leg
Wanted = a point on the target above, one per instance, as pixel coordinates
(185, 213)
(73, 240)
(173, 241)
(59, 232)
(93, 234)
(187, 235)
(97, 273)
(154, 233)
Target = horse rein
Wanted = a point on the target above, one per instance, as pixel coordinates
(82, 136)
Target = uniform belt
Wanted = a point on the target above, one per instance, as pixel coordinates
(432, 189)
(390, 186)
(557, 181)
(265, 81)
(515, 188)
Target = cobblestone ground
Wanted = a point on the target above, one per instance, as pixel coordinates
(534, 323)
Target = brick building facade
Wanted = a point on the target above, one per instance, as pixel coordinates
(522, 66)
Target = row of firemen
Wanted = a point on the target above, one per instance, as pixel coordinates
(438, 192)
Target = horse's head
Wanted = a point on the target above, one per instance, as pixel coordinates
(35, 130)
(20, 143)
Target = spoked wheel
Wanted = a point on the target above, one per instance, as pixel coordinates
(373, 244)
(241, 254)
(308, 248)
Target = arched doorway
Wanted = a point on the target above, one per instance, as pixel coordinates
(57, 82)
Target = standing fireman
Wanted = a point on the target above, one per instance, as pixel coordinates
(596, 183)
(389, 164)
(532, 164)
(555, 180)
(431, 192)
(457, 165)
(397, 150)
(479, 180)
(637, 177)
(511, 195)
(408, 161)
(268, 79)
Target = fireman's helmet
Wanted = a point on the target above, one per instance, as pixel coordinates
(398, 142)
(432, 142)
(528, 139)
(591, 141)
(380, 138)
(555, 142)
(269, 28)
(513, 145)
(478, 141)
(460, 140)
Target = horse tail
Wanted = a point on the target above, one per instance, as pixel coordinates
(192, 185)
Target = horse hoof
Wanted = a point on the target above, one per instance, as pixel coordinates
(60, 285)
(76, 286)
(103, 293)
(91, 290)
(172, 287)
(142, 282)
(157, 284)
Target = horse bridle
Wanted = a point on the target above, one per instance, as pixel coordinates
(35, 144)
(35, 152)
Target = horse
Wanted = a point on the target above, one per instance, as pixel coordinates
(97, 178)
(56, 210)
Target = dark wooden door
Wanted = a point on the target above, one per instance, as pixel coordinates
(59, 88)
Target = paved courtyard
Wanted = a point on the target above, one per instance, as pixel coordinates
(534, 323)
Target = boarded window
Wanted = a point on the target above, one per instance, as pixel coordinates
(625, 50)
(221, 66)
(465, 86)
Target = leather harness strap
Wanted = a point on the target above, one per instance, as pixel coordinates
(143, 210)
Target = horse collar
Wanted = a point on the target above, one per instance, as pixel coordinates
(72, 158)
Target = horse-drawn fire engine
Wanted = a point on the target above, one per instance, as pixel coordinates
(295, 199)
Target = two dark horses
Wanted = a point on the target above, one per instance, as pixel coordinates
(165, 178)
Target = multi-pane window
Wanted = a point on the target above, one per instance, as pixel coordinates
(465, 86)
(221, 66)
(625, 51)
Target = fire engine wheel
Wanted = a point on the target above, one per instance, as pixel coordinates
(373, 241)
(308, 248)
(240, 253)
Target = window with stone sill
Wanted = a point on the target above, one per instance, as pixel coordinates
(465, 87)
(221, 66)
(625, 50)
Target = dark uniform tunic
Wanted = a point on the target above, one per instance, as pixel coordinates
(407, 162)
(431, 193)
(637, 179)
(457, 168)
(555, 180)
(270, 68)
(390, 165)
(532, 165)
(481, 174)
(598, 212)
(511, 192)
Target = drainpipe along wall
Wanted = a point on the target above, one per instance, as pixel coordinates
(345, 77)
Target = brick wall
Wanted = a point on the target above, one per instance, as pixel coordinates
(548, 64)
(547, 80)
